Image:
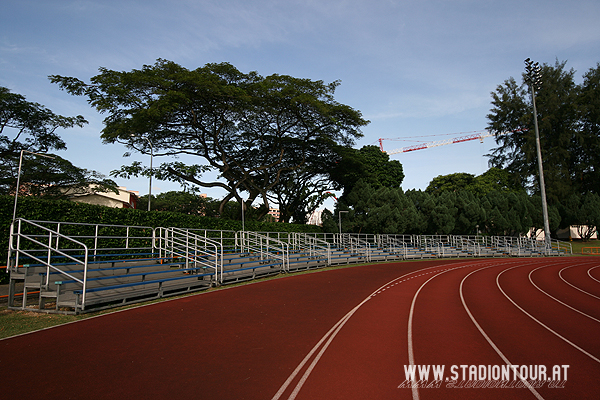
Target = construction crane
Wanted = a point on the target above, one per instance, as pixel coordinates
(474, 136)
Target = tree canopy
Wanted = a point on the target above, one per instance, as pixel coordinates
(257, 132)
(368, 164)
(569, 127)
(491, 180)
(30, 127)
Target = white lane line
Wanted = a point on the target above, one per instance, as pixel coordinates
(506, 360)
(540, 322)
(411, 354)
(590, 273)
(554, 298)
(305, 360)
(328, 338)
(570, 284)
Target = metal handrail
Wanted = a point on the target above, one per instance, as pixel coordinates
(48, 247)
(177, 242)
(392, 243)
(96, 238)
(356, 244)
(265, 246)
(314, 245)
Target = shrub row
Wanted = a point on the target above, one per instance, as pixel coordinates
(34, 208)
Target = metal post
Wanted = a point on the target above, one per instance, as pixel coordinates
(150, 185)
(533, 75)
(340, 220)
(19, 177)
(243, 219)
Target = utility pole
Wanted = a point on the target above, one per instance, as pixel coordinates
(533, 77)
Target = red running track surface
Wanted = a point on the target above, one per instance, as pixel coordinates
(349, 333)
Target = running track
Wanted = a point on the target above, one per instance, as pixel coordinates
(348, 333)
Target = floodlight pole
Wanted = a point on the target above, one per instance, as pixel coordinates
(340, 222)
(533, 78)
(19, 178)
(243, 204)
(150, 185)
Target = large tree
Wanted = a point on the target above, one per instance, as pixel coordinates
(583, 212)
(491, 180)
(568, 127)
(369, 164)
(250, 129)
(587, 173)
(29, 128)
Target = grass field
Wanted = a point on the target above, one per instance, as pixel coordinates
(579, 245)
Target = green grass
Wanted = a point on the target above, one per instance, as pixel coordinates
(18, 322)
(578, 245)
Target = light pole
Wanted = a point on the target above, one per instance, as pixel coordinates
(243, 219)
(19, 177)
(533, 77)
(150, 186)
(340, 221)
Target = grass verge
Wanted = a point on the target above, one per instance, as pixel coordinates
(578, 245)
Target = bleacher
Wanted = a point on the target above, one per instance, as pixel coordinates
(58, 267)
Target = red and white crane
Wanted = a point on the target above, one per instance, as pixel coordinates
(460, 139)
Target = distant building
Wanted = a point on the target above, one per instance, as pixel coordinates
(569, 233)
(315, 218)
(572, 232)
(123, 199)
(274, 212)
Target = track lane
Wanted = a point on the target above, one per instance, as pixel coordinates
(240, 342)
(245, 342)
(521, 339)
(448, 337)
(579, 278)
(372, 343)
(548, 280)
(558, 317)
(594, 273)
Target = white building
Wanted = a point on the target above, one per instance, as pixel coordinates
(123, 199)
(315, 218)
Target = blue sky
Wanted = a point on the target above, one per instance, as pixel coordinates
(418, 70)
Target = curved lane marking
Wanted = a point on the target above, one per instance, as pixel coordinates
(330, 335)
(411, 355)
(570, 284)
(590, 273)
(540, 322)
(554, 298)
(491, 343)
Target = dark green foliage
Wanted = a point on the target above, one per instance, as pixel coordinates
(181, 202)
(569, 128)
(66, 211)
(582, 211)
(587, 142)
(462, 212)
(258, 133)
(452, 183)
(368, 164)
(32, 128)
(492, 180)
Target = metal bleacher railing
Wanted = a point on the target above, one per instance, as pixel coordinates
(76, 267)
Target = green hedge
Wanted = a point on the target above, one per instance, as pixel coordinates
(33, 208)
